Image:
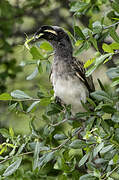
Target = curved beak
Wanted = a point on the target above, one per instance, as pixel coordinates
(44, 30)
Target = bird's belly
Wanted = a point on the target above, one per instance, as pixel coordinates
(71, 91)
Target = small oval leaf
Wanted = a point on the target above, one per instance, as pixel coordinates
(32, 106)
(84, 159)
(5, 96)
(13, 167)
(33, 74)
(59, 136)
(20, 94)
(76, 144)
(106, 149)
(97, 149)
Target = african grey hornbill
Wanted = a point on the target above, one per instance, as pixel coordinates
(68, 75)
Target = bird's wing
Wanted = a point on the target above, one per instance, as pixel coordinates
(78, 67)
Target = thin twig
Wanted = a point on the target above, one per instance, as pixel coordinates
(112, 25)
(61, 145)
(25, 99)
(26, 153)
(68, 139)
(57, 124)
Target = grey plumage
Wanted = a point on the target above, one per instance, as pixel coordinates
(68, 75)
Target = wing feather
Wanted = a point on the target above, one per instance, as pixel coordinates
(78, 67)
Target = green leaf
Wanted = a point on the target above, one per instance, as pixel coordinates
(35, 53)
(114, 45)
(48, 67)
(2, 167)
(100, 59)
(108, 108)
(107, 48)
(117, 19)
(100, 160)
(78, 33)
(5, 96)
(21, 149)
(113, 72)
(36, 155)
(115, 82)
(20, 94)
(4, 132)
(85, 106)
(97, 149)
(101, 96)
(32, 128)
(3, 149)
(12, 106)
(78, 42)
(33, 74)
(106, 149)
(115, 117)
(54, 109)
(45, 101)
(62, 177)
(91, 102)
(83, 47)
(89, 62)
(13, 167)
(59, 136)
(116, 158)
(87, 177)
(84, 159)
(105, 126)
(97, 173)
(77, 144)
(90, 122)
(32, 106)
(97, 27)
(11, 132)
(46, 158)
(40, 69)
(91, 70)
(78, 6)
(46, 46)
(83, 114)
(97, 62)
(115, 6)
(40, 94)
(94, 42)
(114, 35)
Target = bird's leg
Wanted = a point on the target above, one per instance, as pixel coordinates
(58, 101)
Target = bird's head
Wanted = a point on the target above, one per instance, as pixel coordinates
(57, 37)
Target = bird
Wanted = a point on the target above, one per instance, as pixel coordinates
(68, 77)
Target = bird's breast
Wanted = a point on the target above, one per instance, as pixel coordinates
(70, 90)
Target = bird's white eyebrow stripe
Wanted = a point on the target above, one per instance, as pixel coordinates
(51, 31)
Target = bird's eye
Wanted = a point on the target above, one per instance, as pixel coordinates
(61, 33)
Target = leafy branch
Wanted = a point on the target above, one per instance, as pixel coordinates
(19, 155)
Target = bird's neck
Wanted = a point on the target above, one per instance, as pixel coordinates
(62, 54)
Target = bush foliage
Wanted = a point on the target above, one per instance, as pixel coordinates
(82, 147)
